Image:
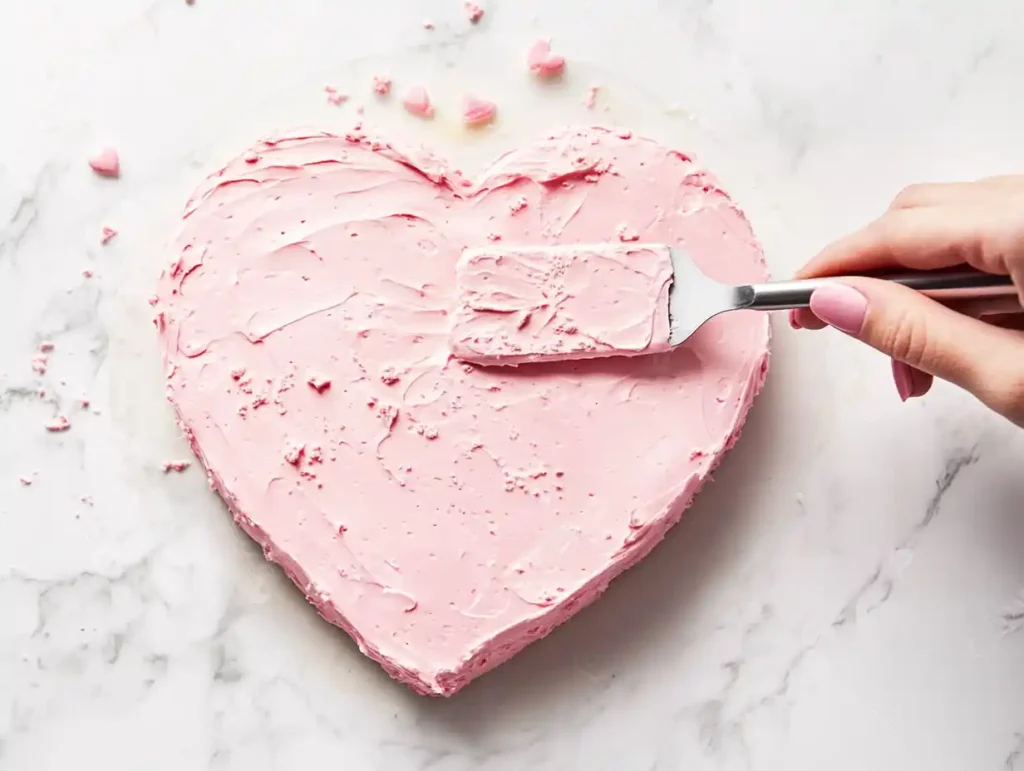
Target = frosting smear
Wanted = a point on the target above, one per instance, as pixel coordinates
(516, 306)
(445, 515)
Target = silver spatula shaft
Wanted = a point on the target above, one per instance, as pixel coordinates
(944, 285)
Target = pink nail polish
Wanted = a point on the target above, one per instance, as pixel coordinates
(904, 379)
(840, 306)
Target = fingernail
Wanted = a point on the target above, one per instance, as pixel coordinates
(840, 306)
(904, 378)
(794, 321)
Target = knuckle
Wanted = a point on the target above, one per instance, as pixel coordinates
(911, 196)
(904, 339)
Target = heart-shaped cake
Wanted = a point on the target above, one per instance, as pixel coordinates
(444, 515)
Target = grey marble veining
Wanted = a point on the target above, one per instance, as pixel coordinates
(848, 594)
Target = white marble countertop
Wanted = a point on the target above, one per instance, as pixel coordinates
(846, 595)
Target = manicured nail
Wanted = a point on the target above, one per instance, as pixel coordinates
(794, 321)
(904, 378)
(840, 306)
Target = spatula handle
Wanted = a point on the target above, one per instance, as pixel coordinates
(942, 285)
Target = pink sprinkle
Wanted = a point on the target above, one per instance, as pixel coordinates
(474, 12)
(417, 102)
(108, 233)
(590, 100)
(59, 423)
(477, 112)
(46, 346)
(542, 62)
(381, 85)
(176, 465)
(626, 233)
(428, 24)
(106, 163)
(39, 362)
(319, 383)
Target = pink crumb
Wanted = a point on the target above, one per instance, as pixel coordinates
(542, 62)
(428, 24)
(176, 465)
(106, 163)
(381, 85)
(319, 383)
(25, 481)
(59, 423)
(108, 233)
(477, 112)
(39, 362)
(518, 205)
(473, 11)
(334, 96)
(293, 453)
(84, 402)
(626, 233)
(417, 102)
(45, 346)
(87, 273)
(590, 99)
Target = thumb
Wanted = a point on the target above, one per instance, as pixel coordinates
(922, 333)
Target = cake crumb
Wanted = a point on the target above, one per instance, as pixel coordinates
(176, 465)
(381, 85)
(334, 96)
(473, 12)
(39, 363)
(428, 24)
(318, 383)
(59, 423)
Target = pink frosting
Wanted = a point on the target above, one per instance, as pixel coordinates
(542, 62)
(106, 234)
(381, 85)
(477, 112)
(106, 163)
(417, 102)
(473, 11)
(518, 306)
(445, 515)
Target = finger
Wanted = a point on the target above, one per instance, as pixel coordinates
(910, 382)
(944, 193)
(987, 306)
(920, 332)
(920, 239)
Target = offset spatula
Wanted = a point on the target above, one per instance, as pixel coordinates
(516, 305)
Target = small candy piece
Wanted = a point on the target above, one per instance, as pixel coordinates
(542, 62)
(417, 102)
(106, 163)
(478, 112)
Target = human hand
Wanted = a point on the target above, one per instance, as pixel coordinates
(979, 346)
